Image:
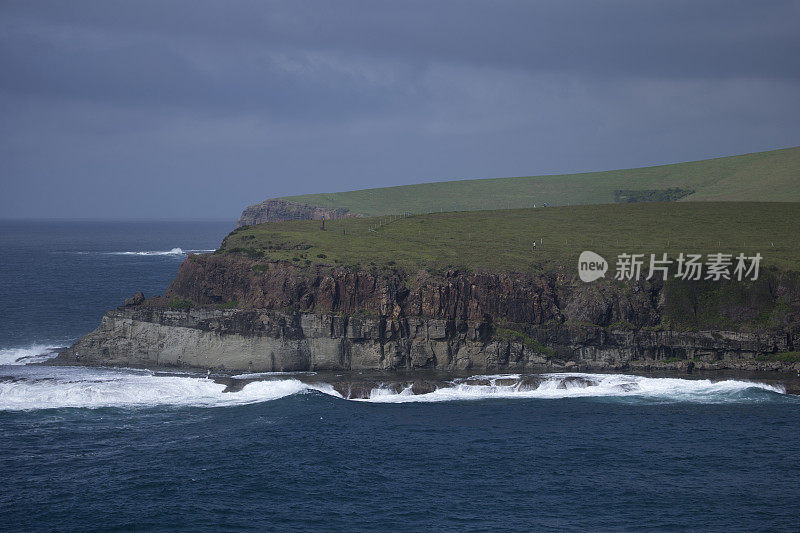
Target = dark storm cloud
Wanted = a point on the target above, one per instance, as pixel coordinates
(198, 108)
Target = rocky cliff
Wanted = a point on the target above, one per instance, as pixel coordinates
(268, 340)
(230, 312)
(279, 210)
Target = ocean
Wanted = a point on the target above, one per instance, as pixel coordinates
(123, 449)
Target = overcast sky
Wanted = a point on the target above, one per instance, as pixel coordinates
(192, 109)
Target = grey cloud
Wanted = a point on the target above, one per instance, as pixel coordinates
(186, 108)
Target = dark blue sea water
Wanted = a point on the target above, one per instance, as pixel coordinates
(58, 278)
(89, 449)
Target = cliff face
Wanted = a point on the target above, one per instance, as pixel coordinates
(330, 318)
(455, 294)
(279, 210)
(269, 341)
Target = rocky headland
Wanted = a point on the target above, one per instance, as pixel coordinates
(231, 312)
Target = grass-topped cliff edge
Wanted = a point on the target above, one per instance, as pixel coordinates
(503, 240)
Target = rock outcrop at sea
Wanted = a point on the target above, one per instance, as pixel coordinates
(280, 210)
(136, 299)
(277, 316)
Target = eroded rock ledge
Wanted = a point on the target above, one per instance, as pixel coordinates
(269, 340)
(249, 315)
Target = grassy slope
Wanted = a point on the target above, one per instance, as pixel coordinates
(764, 176)
(501, 240)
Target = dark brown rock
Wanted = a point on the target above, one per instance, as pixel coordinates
(136, 299)
(334, 318)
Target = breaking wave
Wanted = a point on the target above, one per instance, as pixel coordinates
(258, 375)
(174, 251)
(577, 385)
(35, 353)
(32, 387)
(58, 387)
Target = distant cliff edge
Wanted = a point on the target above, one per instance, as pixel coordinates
(280, 210)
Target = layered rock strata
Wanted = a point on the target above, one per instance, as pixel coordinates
(229, 312)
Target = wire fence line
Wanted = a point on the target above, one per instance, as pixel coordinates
(388, 219)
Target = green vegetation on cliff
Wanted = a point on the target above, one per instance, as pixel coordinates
(180, 303)
(503, 240)
(747, 305)
(772, 176)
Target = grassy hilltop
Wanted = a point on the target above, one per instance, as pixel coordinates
(772, 176)
(502, 240)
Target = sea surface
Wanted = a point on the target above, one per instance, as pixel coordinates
(122, 449)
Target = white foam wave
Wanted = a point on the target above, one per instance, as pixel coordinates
(174, 251)
(35, 353)
(259, 375)
(576, 385)
(33, 387)
(84, 388)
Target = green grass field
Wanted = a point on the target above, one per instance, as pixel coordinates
(772, 176)
(502, 240)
